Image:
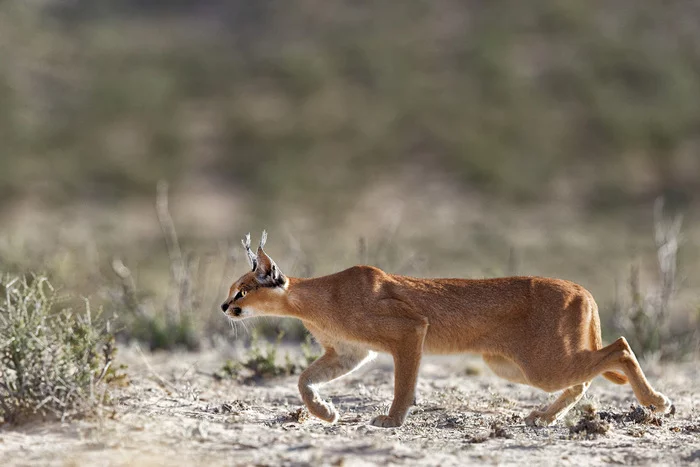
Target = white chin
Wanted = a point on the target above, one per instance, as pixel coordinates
(247, 313)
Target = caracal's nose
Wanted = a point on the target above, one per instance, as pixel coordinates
(224, 306)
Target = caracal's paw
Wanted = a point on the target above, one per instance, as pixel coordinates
(537, 418)
(325, 411)
(385, 421)
(661, 404)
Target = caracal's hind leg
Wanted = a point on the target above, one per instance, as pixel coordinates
(619, 356)
(337, 361)
(559, 407)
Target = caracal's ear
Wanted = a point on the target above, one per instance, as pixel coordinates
(265, 266)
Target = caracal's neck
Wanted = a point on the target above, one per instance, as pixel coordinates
(303, 295)
(302, 289)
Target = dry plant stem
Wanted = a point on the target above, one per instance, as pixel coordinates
(645, 315)
(164, 383)
(177, 267)
(129, 288)
(229, 261)
(172, 323)
(667, 237)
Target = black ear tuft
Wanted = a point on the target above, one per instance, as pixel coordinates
(272, 278)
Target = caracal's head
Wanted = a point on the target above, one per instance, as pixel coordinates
(261, 291)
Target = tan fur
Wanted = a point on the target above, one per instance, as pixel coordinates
(530, 330)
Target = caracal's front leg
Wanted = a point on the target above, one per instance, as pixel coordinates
(335, 362)
(407, 355)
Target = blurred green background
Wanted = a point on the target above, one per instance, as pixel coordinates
(433, 138)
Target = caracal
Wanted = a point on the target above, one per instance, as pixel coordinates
(531, 330)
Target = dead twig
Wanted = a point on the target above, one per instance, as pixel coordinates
(164, 383)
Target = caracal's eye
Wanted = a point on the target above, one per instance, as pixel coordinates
(240, 294)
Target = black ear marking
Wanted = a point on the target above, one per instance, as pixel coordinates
(280, 281)
(274, 278)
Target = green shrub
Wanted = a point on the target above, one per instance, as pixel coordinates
(159, 333)
(52, 358)
(261, 362)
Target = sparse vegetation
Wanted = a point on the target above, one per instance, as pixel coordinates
(261, 360)
(53, 359)
(643, 316)
(175, 320)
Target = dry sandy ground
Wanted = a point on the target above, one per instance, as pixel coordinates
(175, 413)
